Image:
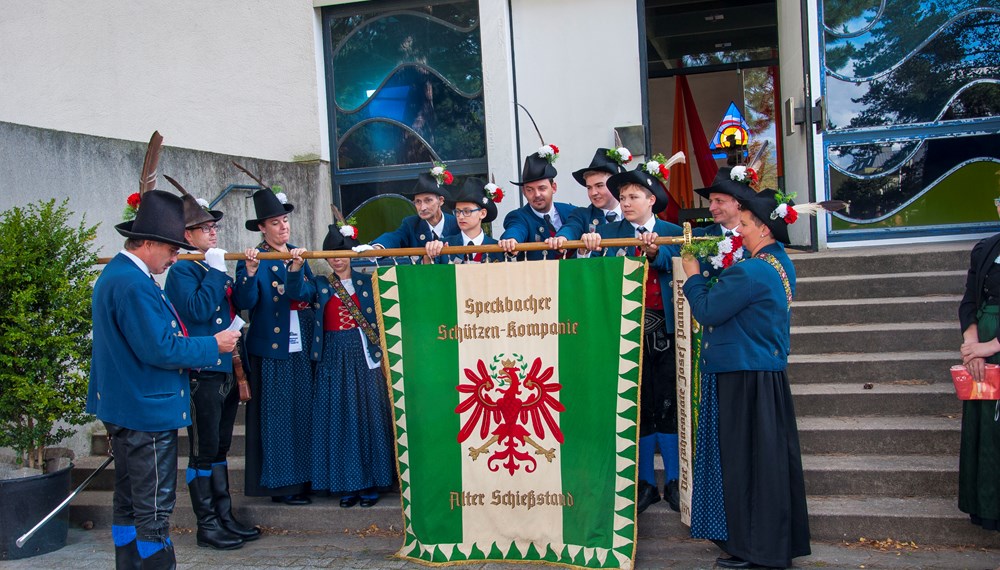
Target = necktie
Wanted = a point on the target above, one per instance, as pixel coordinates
(552, 233)
(434, 236)
(727, 233)
(610, 217)
(469, 257)
(639, 230)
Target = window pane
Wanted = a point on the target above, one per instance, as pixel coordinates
(947, 180)
(354, 194)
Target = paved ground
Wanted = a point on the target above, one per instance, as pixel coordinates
(374, 548)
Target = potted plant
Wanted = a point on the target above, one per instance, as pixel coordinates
(46, 272)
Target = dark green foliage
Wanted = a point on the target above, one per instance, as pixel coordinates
(46, 273)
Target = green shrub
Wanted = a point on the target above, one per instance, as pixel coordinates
(46, 274)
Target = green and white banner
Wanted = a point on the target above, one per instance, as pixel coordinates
(515, 389)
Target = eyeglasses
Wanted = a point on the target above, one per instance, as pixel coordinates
(209, 228)
(466, 213)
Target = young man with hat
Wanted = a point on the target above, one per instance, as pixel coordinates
(540, 218)
(603, 206)
(430, 223)
(749, 493)
(278, 420)
(353, 451)
(642, 195)
(201, 291)
(139, 378)
(474, 205)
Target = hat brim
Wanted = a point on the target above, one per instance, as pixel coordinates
(761, 205)
(216, 216)
(252, 224)
(729, 187)
(617, 181)
(125, 229)
(489, 206)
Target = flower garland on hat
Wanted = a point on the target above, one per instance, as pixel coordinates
(494, 192)
(348, 228)
(657, 167)
(744, 175)
(621, 155)
(783, 210)
(441, 174)
(131, 206)
(549, 152)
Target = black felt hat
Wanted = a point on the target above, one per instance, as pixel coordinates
(762, 204)
(535, 168)
(473, 191)
(195, 214)
(335, 240)
(600, 163)
(427, 184)
(642, 178)
(724, 184)
(160, 218)
(266, 205)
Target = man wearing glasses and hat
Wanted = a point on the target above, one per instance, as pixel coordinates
(139, 378)
(540, 218)
(201, 291)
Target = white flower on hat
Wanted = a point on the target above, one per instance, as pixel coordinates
(202, 202)
(738, 173)
(437, 171)
(780, 212)
(347, 231)
(652, 167)
(281, 197)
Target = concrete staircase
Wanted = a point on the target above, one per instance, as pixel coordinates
(880, 462)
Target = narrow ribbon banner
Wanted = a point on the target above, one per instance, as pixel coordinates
(515, 390)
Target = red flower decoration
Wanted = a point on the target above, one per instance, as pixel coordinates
(133, 200)
(665, 172)
(727, 259)
(497, 196)
(791, 215)
(555, 149)
(448, 178)
(753, 175)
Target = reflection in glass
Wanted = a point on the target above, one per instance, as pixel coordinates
(758, 98)
(871, 160)
(353, 195)
(882, 195)
(954, 76)
(380, 143)
(899, 31)
(369, 52)
(451, 124)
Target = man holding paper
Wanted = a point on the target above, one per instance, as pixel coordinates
(202, 293)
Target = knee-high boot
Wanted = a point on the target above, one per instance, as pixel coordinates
(223, 502)
(210, 530)
(162, 559)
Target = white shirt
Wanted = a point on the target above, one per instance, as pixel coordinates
(617, 212)
(135, 259)
(478, 240)
(648, 225)
(553, 216)
(439, 228)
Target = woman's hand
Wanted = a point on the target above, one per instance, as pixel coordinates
(691, 265)
(297, 261)
(252, 262)
(972, 350)
(976, 367)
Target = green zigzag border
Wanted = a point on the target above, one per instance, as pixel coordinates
(622, 553)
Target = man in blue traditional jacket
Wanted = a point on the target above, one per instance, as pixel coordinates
(139, 378)
(723, 202)
(201, 291)
(642, 196)
(603, 208)
(540, 218)
(430, 223)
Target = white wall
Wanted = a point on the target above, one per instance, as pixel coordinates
(578, 72)
(229, 76)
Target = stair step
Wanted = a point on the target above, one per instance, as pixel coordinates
(881, 475)
(890, 337)
(99, 442)
(890, 435)
(105, 481)
(950, 256)
(929, 308)
(923, 520)
(880, 285)
(883, 398)
(930, 366)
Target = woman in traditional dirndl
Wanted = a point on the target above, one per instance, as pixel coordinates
(352, 442)
(979, 456)
(278, 418)
(749, 492)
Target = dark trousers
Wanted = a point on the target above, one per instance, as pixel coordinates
(145, 480)
(214, 403)
(658, 397)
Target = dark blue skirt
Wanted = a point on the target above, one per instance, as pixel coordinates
(353, 442)
(285, 420)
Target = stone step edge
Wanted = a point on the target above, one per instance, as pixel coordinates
(878, 327)
(832, 357)
(867, 277)
(880, 301)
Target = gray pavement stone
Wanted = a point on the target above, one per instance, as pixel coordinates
(93, 549)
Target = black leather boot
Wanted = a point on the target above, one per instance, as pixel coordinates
(223, 502)
(210, 530)
(127, 557)
(164, 559)
(672, 494)
(647, 495)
